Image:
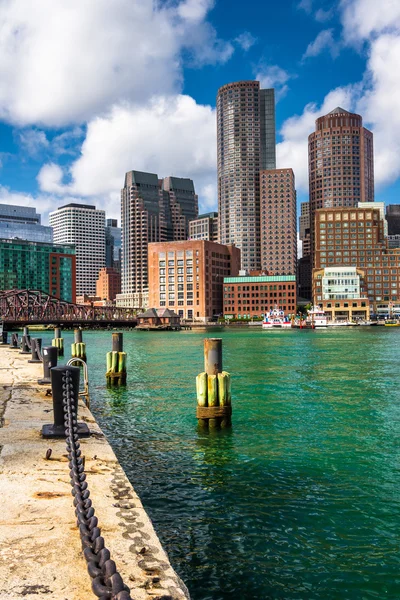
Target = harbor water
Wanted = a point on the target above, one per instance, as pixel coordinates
(300, 500)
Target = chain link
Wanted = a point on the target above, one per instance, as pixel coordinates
(106, 581)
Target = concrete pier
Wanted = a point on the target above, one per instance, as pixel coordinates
(40, 547)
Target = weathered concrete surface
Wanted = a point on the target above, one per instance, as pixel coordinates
(40, 550)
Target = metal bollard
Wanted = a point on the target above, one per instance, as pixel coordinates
(78, 336)
(26, 347)
(57, 429)
(14, 340)
(36, 350)
(50, 355)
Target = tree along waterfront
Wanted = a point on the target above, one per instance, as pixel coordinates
(300, 499)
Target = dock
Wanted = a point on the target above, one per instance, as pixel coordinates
(40, 548)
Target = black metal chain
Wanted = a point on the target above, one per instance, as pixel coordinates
(107, 582)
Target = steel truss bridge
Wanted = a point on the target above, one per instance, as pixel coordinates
(24, 307)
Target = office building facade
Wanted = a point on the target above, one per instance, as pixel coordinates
(108, 284)
(205, 227)
(246, 297)
(245, 145)
(23, 223)
(84, 226)
(50, 268)
(278, 222)
(188, 276)
(152, 210)
(355, 237)
(113, 244)
(393, 219)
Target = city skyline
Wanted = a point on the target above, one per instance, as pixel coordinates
(60, 146)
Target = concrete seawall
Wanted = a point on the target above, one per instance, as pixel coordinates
(40, 548)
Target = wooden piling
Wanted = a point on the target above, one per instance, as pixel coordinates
(213, 389)
(116, 361)
(78, 347)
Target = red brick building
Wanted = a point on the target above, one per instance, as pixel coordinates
(187, 276)
(254, 295)
(108, 284)
(278, 222)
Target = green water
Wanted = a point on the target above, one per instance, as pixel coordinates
(300, 500)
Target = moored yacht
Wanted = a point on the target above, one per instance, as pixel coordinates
(316, 318)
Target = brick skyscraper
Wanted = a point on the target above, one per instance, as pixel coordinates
(246, 144)
(340, 163)
(278, 222)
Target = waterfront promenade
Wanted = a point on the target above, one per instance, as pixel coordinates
(40, 548)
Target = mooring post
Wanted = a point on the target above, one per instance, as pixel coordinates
(36, 344)
(14, 340)
(50, 354)
(4, 337)
(26, 342)
(78, 348)
(213, 388)
(57, 376)
(116, 361)
(58, 341)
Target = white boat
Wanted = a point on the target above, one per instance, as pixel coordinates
(316, 318)
(339, 323)
(276, 319)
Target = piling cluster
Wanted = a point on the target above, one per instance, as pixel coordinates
(58, 341)
(116, 361)
(213, 387)
(78, 347)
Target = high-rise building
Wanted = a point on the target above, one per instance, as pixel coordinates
(393, 219)
(340, 163)
(304, 228)
(49, 268)
(152, 210)
(183, 204)
(82, 225)
(205, 227)
(108, 284)
(246, 144)
(188, 276)
(23, 223)
(113, 244)
(278, 222)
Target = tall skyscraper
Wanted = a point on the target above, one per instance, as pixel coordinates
(113, 244)
(23, 223)
(278, 222)
(246, 144)
(82, 225)
(340, 163)
(393, 219)
(304, 228)
(152, 210)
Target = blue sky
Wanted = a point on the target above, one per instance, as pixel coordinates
(92, 89)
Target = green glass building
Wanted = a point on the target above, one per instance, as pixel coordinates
(50, 268)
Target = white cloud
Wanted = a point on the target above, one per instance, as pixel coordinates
(362, 19)
(64, 62)
(323, 41)
(323, 15)
(293, 150)
(32, 141)
(44, 203)
(170, 136)
(305, 5)
(246, 40)
(272, 76)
